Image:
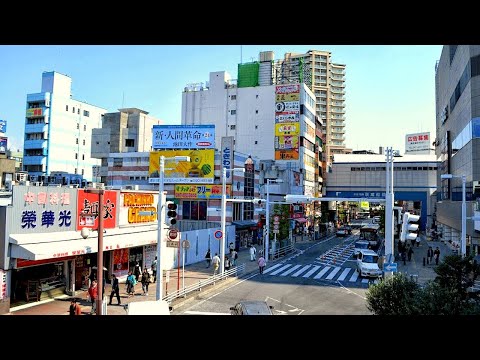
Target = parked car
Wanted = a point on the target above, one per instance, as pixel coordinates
(342, 231)
(251, 307)
(367, 263)
(360, 245)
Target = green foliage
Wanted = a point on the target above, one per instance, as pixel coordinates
(457, 274)
(283, 210)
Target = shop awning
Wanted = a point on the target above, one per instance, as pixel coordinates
(244, 224)
(301, 220)
(70, 243)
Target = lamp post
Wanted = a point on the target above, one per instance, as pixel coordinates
(267, 215)
(99, 300)
(161, 217)
(463, 238)
(224, 215)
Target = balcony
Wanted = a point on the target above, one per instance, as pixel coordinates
(337, 83)
(34, 160)
(335, 130)
(36, 128)
(337, 110)
(338, 71)
(337, 123)
(35, 144)
(337, 97)
(336, 90)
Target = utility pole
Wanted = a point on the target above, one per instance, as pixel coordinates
(389, 200)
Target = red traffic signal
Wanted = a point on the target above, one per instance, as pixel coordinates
(172, 213)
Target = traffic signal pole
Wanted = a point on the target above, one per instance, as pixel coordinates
(160, 217)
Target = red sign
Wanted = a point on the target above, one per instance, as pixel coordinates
(218, 234)
(172, 234)
(87, 205)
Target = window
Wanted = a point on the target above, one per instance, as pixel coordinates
(83, 156)
(84, 127)
(83, 141)
(66, 107)
(75, 170)
(256, 142)
(86, 113)
(256, 111)
(132, 178)
(78, 111)
(78, 126)
(233, 97)
(83, 171)
(256, 126)
(73, 110)
(232, 127)
(194, 210)
(117, 162)
(76, 141)
(233, 112)
(129, 142)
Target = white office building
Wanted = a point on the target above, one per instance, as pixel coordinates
(58, 130)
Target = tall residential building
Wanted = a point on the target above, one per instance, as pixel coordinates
(272, 122)
(58, 130)
(125, 131)
(457, 144)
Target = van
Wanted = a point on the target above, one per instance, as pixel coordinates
(160, 307)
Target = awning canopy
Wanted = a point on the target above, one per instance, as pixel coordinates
(70, 243)
(301, 220)
(243, 224)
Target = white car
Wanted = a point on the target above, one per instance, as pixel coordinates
(367, 263)
(360, 245)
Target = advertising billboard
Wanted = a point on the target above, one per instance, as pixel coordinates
(199, 170)
(3, 145)
(287, 129)
(183, 137)
(134, 208)
(227, 156)
(287, 118)
(3, 126)
(286, 142)
(88, 208)
(417, 142)
(34, 112)
(201, 191)
(286, 154)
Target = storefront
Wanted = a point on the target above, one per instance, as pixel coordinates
(246, 233)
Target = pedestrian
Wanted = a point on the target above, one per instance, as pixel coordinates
(233, 257)
(154, 269)
(231, 247)
(145, 281)
(115, 290)
(137, 270)
(417, 240)
(404, 257)
(93, 292)
(131, 282)
(208, 258)
(261, 264)
(216, 263)
(253, 252)
(409, 253)
(227, 263)
(436, 255)
(430, 255)
(75, 308)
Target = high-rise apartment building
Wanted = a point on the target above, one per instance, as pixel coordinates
(457, 143)
(128, 130)
(58, 130)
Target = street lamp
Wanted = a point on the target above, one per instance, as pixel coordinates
(161, 217)
(267, 215)
(99, 300)
(463, 239)
(224, 215)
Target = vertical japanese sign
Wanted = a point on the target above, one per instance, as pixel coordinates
(3, 126)
(87, 205)
(287, 121)
(227, 156)
(3, 284)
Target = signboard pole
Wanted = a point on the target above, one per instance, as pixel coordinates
(159, 230)
(183, 268)
(178, 267)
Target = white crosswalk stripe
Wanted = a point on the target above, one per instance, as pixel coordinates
(290, 270)
(333, 273)
(308, 274)
(321, 273)
(301, 270)
(364, 281)
(267, 270)
(344, 274)
(281, 269)
(354, 276)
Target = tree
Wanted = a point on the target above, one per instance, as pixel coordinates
(282, 210)
(457, 274)
(396, 295)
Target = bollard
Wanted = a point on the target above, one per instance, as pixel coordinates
(424, 260)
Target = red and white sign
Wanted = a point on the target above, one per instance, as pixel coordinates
(218, 234)
(172, 234)
(417, 142)
(276, 218)
(3, 284)
(87, 205)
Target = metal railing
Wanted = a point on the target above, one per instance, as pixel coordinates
(235, 271)
(282, 251)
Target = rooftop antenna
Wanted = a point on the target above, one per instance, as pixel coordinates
(123, 99)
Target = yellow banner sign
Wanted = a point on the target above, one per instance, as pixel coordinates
(34, 112)
(286, 142)
(287, 97)
(283, 129)
(199, 170)
(200, 191)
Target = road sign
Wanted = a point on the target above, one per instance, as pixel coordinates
(186, 244)
(276, 227)
(390, 267)
(276, 231)
(172, 234)
(173, 244)
(218, 234)
(276, 218)
(167, 276)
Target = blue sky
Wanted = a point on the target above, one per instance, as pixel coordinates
(390, 90)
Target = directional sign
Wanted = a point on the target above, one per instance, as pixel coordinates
(173, 244)
(390, 267)
(218, 234)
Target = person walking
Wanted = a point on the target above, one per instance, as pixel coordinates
(404, 257)
(137, 271)
(93, 293)
(115, 290)
(154, 269)
(145, 281)
(216, 263)
(131, 282)
(75, 308)
(227, 263)
(233, 257)
(436, 255)
(231, 247)
(261, 264)
(429, 255)
(253, 253)
(409, 253)
(208, 258)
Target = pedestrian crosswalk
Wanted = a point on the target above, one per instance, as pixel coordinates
(318, 272)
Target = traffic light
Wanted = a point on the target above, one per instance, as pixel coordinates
(258, 201)
(407, 226)
(171, 213)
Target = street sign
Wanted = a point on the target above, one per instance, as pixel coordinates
(276, 231)
(172, 234)
(186, 244)
(390, 267)
(276, 227)
(276, 218)
(218, 234)
(173, 244)
(167, 276)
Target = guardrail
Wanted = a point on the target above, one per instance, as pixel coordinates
(282, 251)
(235, 271)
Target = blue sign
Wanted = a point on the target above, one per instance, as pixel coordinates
(183, 137)
(3, 145)
(390, 267)
(3, 126)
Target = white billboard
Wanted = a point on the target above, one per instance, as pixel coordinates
(417, 142)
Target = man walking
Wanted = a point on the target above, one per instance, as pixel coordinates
(216, 263)
(436, 255)
(115, 290)
(154, 269)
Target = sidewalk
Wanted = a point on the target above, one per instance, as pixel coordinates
(193, 274)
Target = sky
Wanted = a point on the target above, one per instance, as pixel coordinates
(390, 89)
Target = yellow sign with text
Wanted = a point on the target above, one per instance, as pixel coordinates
(201, 191)
(199, 170)
(287, 97)
(283, 129)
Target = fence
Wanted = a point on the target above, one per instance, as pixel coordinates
(235, 271)
(282, 251)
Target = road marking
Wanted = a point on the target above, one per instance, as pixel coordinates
(290, 270)
(315, 268)
(267, 270)
(321, 273)
(293, 308)
(281, 269)
(193, 312)
(333, 273)
(354, 276)
(364, 281)
(301, 270)
(344, 274)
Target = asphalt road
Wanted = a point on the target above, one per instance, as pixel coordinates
(320, 279)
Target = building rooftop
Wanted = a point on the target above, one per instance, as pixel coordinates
(374, 158)
(133, 111)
